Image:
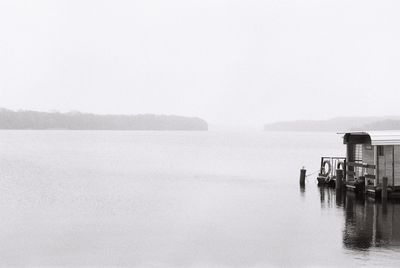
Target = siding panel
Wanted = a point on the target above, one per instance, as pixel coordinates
(397, 165)
(368, 157)
(389, 163)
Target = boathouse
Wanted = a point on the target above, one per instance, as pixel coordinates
(370, 157)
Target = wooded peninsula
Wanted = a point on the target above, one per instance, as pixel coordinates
(338, 124)
(10, 119)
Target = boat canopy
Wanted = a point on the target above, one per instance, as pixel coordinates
(385, 137)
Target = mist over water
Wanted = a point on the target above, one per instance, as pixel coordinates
(181, 199)
(228, 62)
(228, 197)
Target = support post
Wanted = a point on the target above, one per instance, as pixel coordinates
(349, 159)
(339, 179)
(376, 163)
(302, 176)
(384, 188)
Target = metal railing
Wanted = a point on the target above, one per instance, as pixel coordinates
(329, 165)
(358, 168)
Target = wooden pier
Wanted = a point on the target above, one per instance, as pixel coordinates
(371, 165)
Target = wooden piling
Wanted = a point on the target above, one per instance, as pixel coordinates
(303, 176)
(339, 179)
(384, 188)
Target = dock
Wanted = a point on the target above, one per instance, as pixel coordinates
(371, 165)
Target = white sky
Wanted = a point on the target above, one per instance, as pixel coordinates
(231, 62)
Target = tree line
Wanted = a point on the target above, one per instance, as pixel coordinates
(10, 119)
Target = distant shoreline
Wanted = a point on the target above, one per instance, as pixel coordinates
(121, 130)
(33, 120)
(337, 124)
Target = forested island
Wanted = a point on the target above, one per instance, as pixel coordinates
(338, 124)
(10, 119)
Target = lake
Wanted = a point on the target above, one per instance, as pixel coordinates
(188, 199)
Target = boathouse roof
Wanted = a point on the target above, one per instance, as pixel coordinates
(384, 137)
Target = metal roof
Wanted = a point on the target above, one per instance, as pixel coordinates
(384, 137)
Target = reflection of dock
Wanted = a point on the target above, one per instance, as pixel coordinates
(368, 223)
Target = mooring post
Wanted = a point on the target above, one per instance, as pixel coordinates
(384, 188)
(339, 179)
(303, 172)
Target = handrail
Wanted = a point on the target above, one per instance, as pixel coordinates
(363, 165)
(333, 162)
(370, 176)
(335, 157)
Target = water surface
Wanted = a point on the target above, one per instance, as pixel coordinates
(197, 199)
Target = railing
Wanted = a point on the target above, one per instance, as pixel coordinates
(359, 169)
(352, 170)
(359, 163)
(329, 165)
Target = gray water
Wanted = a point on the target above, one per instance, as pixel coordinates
(197, 199)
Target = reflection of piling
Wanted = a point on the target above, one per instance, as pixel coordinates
(384, 207)
(302, 190)
(302, 176)
(339, 179)
(366, 186)
(340, 195)
(384, 188)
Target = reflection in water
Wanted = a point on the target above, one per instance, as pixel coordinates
(368, 223)
(327, 196)
(302, 191)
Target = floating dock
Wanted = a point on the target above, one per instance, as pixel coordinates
(371, 165)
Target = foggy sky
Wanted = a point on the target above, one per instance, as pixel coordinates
(229, 62)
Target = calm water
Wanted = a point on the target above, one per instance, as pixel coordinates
(182, 199)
